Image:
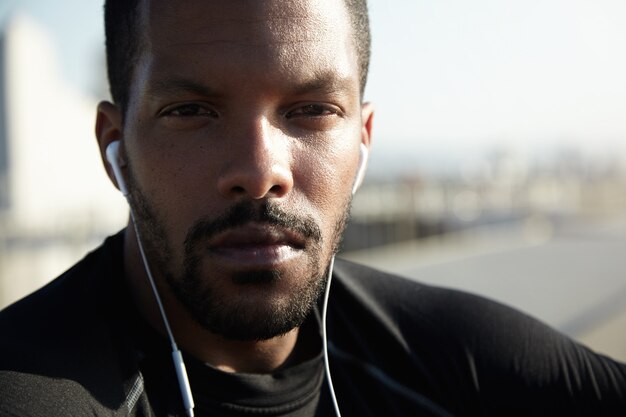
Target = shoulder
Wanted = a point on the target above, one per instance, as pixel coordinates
(457, 344)
(24, 394)
(440, 315)
(59, 350)
(58, 316)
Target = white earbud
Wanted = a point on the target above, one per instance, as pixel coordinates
(360, 173)
(113, 156)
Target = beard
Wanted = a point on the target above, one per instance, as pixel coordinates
(238, 318)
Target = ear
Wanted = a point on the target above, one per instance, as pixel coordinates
(367, 115)
(109, 129)
(367, 118)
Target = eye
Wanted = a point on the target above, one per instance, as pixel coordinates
(189, 110)
(312, 110)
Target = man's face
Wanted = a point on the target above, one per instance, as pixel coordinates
(242, 140)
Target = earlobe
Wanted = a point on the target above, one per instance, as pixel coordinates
(360, 172)
(108, 130)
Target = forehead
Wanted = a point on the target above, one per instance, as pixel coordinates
(250, 41)
(254, 21)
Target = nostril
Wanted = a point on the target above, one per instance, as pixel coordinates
(238, 190)
(276, 189)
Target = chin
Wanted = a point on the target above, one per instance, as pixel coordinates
(249, 305)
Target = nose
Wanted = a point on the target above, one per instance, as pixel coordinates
(258, 164)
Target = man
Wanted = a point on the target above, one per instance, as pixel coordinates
(238, 134)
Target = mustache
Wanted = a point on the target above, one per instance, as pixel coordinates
(246, 212)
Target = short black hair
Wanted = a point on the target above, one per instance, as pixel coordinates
(124, 41)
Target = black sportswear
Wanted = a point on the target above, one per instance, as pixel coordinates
(78, 347)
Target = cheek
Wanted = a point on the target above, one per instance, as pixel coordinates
(325, 178)
(175, 186)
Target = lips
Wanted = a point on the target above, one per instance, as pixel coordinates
(257, 244)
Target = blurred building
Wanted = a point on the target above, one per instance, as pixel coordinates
(55, 199)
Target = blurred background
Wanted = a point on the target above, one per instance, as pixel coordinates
(498, 164)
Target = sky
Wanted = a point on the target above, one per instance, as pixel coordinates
(486, 70)
(451, 77)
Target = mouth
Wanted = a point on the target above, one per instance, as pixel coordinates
(256, 245)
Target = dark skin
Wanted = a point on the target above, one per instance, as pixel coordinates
(231, 102)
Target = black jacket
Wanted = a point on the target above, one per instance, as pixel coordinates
(397, 348)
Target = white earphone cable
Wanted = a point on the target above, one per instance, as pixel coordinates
(177, 357)
(325, 337)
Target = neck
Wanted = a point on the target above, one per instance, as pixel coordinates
(227, 355)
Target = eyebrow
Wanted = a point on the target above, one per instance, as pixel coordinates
(176, 85)
(325, 83)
